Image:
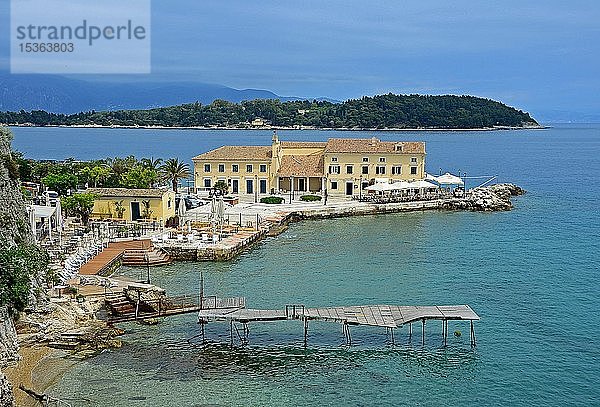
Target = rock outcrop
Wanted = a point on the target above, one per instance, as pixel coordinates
(15, 232)
(487, 199)
(13, 229)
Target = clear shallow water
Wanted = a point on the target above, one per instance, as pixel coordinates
(532, 274)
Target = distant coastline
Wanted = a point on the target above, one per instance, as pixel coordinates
(383, 112)
(309, 128)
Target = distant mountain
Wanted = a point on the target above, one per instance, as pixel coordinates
(58, 94)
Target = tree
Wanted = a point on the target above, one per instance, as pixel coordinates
(221, 186)
(95, 175)
(60, 183)
(18, 266)
(80, 205)
(138, 178)
(151, 163)
(173, 170)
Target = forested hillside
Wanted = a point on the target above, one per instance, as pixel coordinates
(378, 112)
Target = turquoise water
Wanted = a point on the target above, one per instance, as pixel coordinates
(532, 274)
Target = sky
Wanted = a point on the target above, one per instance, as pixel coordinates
(540, 56)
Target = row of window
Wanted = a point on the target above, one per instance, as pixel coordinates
(236, 168)
(379, 170)
(413, 160)
(234, 186)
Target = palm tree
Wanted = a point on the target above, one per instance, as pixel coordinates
(173, 170)
(151, 163)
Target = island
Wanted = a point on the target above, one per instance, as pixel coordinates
(382, 112)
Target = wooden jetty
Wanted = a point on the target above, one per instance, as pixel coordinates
(124, 309)
(389, 317)
(234, 311)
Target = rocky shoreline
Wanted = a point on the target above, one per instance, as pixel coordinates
(77, 326)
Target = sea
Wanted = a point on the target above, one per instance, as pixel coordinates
(532, 274)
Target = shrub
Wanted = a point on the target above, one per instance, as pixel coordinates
(310, 198)
(18, 266)
(271, 200)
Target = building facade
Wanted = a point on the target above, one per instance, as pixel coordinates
(133, 204)
(338, 167)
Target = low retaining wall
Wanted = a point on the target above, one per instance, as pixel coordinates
(493, 198)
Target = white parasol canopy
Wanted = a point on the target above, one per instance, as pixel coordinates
(449, 179)
(430, 177)
(399, 185)
(422, 184)
(379, 187)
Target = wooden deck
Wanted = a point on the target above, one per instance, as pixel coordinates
(110, 255)
(386, 316)
(389, 317)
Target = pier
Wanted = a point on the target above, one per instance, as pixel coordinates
(390, 317)
(140, 307)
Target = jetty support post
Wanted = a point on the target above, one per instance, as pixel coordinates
(410, 332)
(347, 335)
(472, 335)
(445, 331)
(305, 331)
(231, 332)
(423, 338)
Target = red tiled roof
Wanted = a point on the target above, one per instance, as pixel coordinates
(257, 153)
(303, 144)
(373, 145)
(302, 165)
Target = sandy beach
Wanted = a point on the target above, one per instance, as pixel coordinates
(39, 369)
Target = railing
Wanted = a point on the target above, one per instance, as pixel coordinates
(294, 311)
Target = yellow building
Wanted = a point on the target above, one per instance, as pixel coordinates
(356, 163)
(133, 204)
(339, 166)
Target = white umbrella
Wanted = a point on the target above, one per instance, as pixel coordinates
(449, 179)
(181, 209)
(220, 212)
(422, 184)
(213, 209)
(380, 187)
(430, 177)
(399, 185)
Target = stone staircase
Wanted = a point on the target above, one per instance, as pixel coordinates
(119, 304)
(145, 257)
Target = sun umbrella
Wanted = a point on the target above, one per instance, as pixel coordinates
(449, 179)
(399, 185)
(379, 187)
(430, 177)
(422, 184)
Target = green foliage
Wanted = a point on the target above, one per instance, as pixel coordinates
(11, 166)
(383, 111)
(25, 166)
(119, 209)
(147, 212)
(310, 198)
(80, 205)
(95, 175)
(18, 266)
(221, 186)
(173, 170)
(60, 183)
(271, 200)
(138, 178)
